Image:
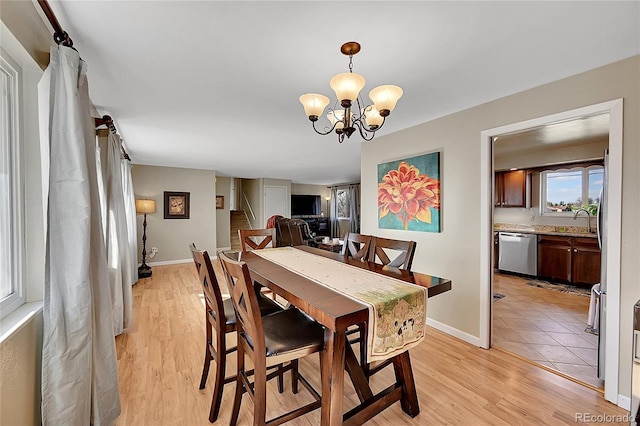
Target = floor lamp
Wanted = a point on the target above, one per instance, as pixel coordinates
(145, 206)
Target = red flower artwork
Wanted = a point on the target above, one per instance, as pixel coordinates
(408, 194)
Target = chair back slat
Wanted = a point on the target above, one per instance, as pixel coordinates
(357, 246)
(245, 301)
(384, 249)
(257, 239)
(283, 232)
(210, 286)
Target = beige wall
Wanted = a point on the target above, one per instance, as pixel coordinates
(173, 236)
(455, 252)
(20, 370)
(223, 216)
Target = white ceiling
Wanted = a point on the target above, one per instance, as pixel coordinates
(215, 85)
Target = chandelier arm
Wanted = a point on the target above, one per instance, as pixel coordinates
(313, 123)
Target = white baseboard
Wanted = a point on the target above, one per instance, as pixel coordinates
(169, 262)
(474, 340)
(624, 402)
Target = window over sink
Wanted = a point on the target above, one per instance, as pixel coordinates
(563, 191)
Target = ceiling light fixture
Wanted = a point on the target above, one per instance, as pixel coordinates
(347, 86)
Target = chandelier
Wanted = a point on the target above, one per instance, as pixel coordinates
(368, 119)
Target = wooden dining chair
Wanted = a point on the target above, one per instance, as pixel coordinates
(384, 249)
(256, 239)
(220, 319)
(357, 246)
(279, 338)
(389, 252)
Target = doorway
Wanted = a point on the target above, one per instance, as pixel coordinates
(612, 302)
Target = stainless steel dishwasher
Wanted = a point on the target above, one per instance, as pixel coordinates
(518, 253)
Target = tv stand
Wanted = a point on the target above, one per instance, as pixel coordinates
(318, 225)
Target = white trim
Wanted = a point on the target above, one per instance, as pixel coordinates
(16, 320)
(169, 262)
(624, 402)
(614, 211)
(474, 340)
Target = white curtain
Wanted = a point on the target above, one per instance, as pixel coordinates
(132, 223)
(79, 367)
(354, 208)
(335, 223)
(116, 234)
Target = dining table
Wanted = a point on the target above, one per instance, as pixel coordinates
(337, 312)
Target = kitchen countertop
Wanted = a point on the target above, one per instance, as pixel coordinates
(567, 231)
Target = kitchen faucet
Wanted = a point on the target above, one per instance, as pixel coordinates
(575, 217)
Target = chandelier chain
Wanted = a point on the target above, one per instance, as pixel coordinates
(351, 63)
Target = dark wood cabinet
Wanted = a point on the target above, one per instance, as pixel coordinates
(572, 260)
(586, 259)
(318, 225)
(554, 257)
(511, 189)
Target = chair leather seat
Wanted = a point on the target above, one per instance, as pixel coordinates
(288, 331)
(267, 306)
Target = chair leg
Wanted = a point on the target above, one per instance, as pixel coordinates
(294, 376)
(260, 395)
(237, 399)
(221, 364)
(207, 353)
(280, 379)
(363, 349)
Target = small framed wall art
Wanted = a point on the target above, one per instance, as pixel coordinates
(176, 205)
(219, 201)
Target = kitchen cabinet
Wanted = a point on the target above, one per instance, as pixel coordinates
(573, 260)
(554, 257)
(586, 257)
(512, 189)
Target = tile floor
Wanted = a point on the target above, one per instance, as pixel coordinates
(546, 327)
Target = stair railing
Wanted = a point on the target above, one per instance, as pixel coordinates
(244, 194)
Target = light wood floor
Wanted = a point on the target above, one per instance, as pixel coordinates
(160, 362)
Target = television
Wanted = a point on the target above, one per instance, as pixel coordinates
(305, 205)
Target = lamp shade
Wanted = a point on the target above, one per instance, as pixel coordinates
(347, 86)
(336, 115)
(385, 98)
(372, 117)
(314, 104)
(145, 206)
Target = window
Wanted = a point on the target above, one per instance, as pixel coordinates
(343, 204)
(11, 232)
(563, 191)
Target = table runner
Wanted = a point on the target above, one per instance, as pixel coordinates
(397, 309)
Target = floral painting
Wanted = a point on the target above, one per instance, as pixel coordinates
(409, 194)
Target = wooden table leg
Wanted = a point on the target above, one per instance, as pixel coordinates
(404, 376)
(333, 387)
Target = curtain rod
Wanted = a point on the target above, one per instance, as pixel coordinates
(106, 120)
(60, 36)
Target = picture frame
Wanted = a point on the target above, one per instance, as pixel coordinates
(176, 205)
(417, 209)
(219, 201)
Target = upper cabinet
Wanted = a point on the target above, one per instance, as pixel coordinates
(512, 189)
